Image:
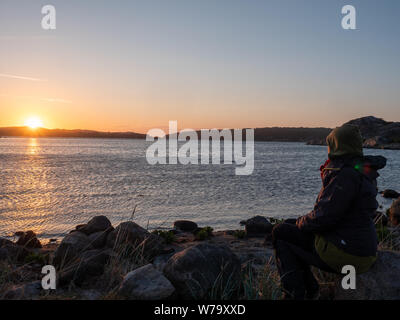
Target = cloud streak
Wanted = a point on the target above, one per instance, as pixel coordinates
(13, 76)
(56, 100)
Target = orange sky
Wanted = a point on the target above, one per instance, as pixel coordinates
(205, 64)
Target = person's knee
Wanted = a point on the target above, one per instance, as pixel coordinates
(278, 232)
(282, 231)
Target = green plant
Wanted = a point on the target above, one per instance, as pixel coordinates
(239, 234)
(168, 236)
(260, 285)
(204, 233)
(36, 258)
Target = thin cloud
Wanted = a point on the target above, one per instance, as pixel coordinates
(56, 100)
(13, 76)
(33, 97)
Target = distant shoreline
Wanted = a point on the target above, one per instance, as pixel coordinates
(377, 133)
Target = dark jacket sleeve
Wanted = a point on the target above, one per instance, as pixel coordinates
(335, 199)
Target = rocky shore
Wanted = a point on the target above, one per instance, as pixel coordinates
(99, 261)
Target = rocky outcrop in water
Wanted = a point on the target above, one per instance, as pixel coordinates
(377, 133)
(185, 225)
(389, 193)
(257, 226)
(28, 239)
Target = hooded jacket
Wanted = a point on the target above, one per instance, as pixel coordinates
(344, 209)
(343, 212)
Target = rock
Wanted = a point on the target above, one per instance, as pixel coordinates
(394, 212)
(129, 236)
(90, 294)
(78, 227)
(96, 224)
(90, 264)
(146, 283)
(185, 225)
(28, 239)
(98, 239)
(378, 133)
(4, 242)
(161, 260)
(381, 282)
(28, 291)
(257, 226)
(70, 248)
(389, 193)
(202, 267)
(13, 253)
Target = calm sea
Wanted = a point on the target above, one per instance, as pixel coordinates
(51, 185)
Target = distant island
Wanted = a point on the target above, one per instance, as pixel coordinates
(377, 133)
(63, 133)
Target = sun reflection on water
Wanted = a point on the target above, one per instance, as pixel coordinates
(33, 146)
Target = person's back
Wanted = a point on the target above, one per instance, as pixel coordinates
(340, 229)
(356, 232)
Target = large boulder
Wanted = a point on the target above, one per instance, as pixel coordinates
(394, 212)
(146, 283)
(98, 239)
(28, 239)
(185, 225)
(130, 237)
(257, 226)
(4, 242)
(27, 291)
(90, 263)
(203, 269)
(13, 253)
(378, 133)
(96, 224)
(381, 282)
(70, 248)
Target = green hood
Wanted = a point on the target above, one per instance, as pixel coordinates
(345, 141)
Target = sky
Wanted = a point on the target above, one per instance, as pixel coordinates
(134, 65)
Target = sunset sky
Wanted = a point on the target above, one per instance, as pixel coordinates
(135, 65)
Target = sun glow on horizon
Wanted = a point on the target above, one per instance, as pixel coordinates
(33, 122)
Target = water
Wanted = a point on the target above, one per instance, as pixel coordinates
(51, 185)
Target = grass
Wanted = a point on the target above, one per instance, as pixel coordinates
(168, 236)
(261, 284)
(388, 238)
(127, 257)
(36, 258)
(253, 284)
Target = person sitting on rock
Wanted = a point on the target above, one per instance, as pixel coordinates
(339, 230)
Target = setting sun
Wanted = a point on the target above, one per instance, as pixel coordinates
(34, 123)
